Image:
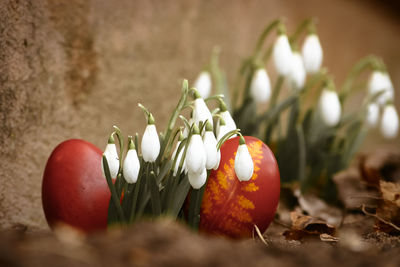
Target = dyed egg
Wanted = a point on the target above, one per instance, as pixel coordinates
(230, 207)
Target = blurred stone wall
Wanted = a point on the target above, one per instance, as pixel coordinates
(74, 68)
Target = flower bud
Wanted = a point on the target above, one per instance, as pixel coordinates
(389, 122)
(203, 84)
(179, 157)
(201, 113)
(372, 115)
(282, 55)
(210, 146)
(297, 76)
(244, 166)
(312, 53)
(329, 107)
(198, 179)
(112, 158)
(196, 154)
(260, 87)
(380, 82)
(150, 142)
(131, 164)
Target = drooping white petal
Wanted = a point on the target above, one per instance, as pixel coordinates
(197, 179)
(230, 123)
(390, 122)
(312, 53)
(218, 159)
(244, 166)
(329, 107)
(150, 144)
(203, 84)
(112, 160)
(282, 55)
(297, 76)
(372, 117)
(195, 155)
(260, 87)
(210, 146)
(178, 159)
(201, 111)
(221, 131)
(131, 166)
(380, 82)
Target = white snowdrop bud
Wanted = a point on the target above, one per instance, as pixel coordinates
(203, 84)
(260, 87)
(218, 159)
(196, 154)
(390, 122)
(131, 164)
(222, 129)
(227, 118)
(329, 107)
(201, 111)
(210, 146)
(372, 116)
(150, 142)
(179, 157)
(112, 158)
(380, 82)
(244, 166)
(312, 53)
(198, 179)
(297, 76)
(282, 55)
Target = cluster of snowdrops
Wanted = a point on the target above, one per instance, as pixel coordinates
(158, 180)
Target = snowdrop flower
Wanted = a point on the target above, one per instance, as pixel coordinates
(222, 129)
(196, 154)
(297, 75)
(131, 164)
(244, 166)
(329, 107)
(260, 87)
(282, 55)
(372, 115)
(179, 157)
(390, 122)
(112, 158)
(380, 82)
(229, 123)
(312, 53)
(201, 111)
(203, 84)
(210, 146)
(218, 159)
(150, 141)
(197, 180)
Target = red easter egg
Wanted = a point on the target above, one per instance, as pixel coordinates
(231, 207)
(74, 191)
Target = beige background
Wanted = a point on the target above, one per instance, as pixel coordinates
(72, 69)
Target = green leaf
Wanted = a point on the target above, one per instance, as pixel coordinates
(155, 194)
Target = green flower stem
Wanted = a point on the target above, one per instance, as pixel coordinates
(264, 35)
(274, 99)
(136, 192)
(369, 62)
(220, 82)
(214, 97)
(114, 195)
(174, 116)
(155, 194)
(227, 136)
(306, 24)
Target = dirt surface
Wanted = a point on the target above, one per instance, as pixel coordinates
(72, 69)
(166, 243)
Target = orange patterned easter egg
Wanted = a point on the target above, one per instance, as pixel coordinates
(231, 207)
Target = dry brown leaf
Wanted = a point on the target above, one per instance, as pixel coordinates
(318, 208)
(353, 192)
(388, 211)
(307, 226)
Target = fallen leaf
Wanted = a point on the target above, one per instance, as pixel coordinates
(307, 226)
(388, 211)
